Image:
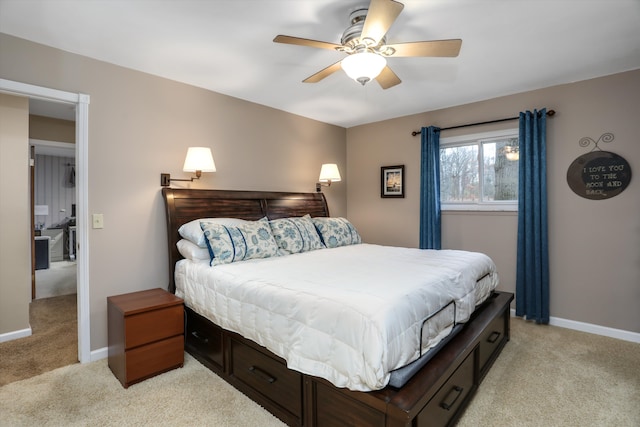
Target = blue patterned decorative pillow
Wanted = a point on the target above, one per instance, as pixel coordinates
(250, 240)
(336, 232)
(192, 230)
(295, 235)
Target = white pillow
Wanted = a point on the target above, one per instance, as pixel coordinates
(193, 232)
(190, 250)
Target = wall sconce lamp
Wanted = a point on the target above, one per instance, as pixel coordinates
(198, 160)
(328, 173)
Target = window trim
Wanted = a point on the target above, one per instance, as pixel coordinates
(496, 206)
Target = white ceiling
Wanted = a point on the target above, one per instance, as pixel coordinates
(509, 46)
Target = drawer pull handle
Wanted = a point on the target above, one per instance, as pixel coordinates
(457, 390)
(493, 337)
(262, 374)
(199, 337)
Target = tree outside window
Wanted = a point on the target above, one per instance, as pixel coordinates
(479, 171)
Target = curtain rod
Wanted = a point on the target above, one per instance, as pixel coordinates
(550, 113)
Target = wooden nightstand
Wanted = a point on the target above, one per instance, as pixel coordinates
(146, 334)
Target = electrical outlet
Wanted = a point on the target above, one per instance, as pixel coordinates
(98, 221)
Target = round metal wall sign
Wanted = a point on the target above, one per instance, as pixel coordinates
(599, 175)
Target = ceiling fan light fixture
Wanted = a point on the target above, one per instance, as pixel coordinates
(363, 66)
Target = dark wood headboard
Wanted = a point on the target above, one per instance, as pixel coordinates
(184, 205)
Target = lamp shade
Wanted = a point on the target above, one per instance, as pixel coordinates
(329, 173)
(41, 210)
(199, 159)
(363, 66)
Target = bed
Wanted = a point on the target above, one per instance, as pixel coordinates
(472, 325)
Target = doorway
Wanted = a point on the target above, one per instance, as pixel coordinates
(81, 103)
(53, 195)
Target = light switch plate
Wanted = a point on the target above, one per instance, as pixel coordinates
(98, 221)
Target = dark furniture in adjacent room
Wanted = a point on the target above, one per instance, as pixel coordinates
(43, 260)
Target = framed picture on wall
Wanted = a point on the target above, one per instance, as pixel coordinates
(392, 181)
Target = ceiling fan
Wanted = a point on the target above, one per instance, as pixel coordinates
(364, 42)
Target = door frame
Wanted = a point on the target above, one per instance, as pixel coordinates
(81, 102)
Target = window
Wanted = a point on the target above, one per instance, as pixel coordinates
(480, 172)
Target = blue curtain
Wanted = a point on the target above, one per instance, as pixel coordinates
(532, 276)
(430, 188)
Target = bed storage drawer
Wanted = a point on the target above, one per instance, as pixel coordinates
(335, 408)
(490, 342)
(450, 398)
(204, 339)
(267, 376)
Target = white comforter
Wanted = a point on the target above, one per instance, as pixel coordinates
(350, 314)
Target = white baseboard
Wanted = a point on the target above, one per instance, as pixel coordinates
(592, 329)
(99, 354)
(14, 335)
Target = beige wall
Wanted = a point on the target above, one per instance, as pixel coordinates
(141, 126)
(15, 222)
(594, 244)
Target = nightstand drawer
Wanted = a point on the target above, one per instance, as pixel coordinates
(153, 359)
(153, 325)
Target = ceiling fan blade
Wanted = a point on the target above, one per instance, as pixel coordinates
(449, 48)
(305, 42)
(381, 15)
(323, 73)
(387, 78)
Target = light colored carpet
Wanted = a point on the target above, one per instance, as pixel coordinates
(551, 376)
(89, 394)
(545, 376)
(59, 279)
